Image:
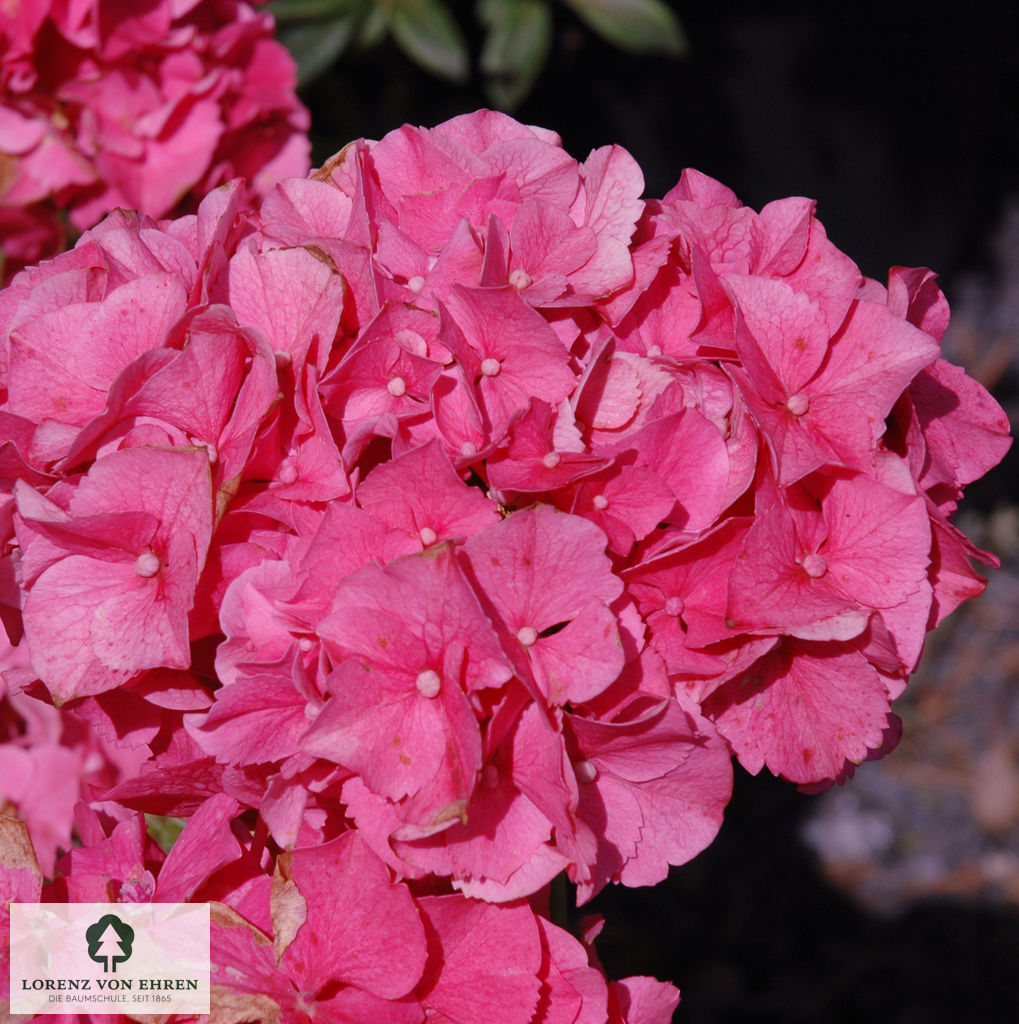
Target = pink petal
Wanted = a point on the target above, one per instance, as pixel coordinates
(361, 929)
(485, 962)
(803, 710)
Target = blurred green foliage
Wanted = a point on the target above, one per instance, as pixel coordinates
(164, 831)
(515, 35)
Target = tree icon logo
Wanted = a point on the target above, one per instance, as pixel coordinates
(109, 942)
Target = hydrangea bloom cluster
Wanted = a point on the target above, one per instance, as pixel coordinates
(449, 524)
(146, 106)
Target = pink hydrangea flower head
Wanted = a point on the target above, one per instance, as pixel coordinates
(446, 524)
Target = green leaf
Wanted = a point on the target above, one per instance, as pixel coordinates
(644, 26)
(428, 35)
(310, 10)
(376, 24)
(315, 45)
(516, 47)
(164, 831)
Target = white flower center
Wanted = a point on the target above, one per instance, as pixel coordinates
(674, 606)
(147, 564)
(490, 367)
(397, 387)
(527, 635)
(210, 448)
(428, 683)
(815, 565)
(427, 535)
(600, 501)
(551, 460)
(520, 279)
(288, 473)
(416, 283)
(798, 404)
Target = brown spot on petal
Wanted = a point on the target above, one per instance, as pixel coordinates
(288, 907)
(16, 850)
(230, 1006)
(325, 172)
(322, 256)
(456, 810)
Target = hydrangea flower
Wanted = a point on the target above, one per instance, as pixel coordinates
(457, 517)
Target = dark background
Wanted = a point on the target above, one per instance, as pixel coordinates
(904, 125)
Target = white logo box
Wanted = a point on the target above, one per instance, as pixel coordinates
(109, 958)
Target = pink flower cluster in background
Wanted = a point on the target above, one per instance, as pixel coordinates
(146, 106)
(448, 524)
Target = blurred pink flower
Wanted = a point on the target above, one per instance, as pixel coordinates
(107, 103)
